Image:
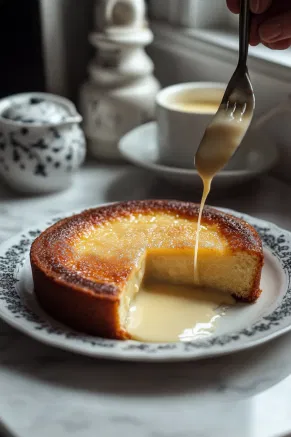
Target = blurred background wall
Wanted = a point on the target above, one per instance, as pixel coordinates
(65, 26)
(20, 47)
(44, 45)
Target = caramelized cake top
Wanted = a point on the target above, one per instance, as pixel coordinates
(98, 249)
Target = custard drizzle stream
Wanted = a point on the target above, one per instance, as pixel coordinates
(221, 140)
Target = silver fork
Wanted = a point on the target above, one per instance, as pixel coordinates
(239, 94)
(237, 106)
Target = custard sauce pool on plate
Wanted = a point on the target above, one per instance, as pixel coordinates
(170, 313)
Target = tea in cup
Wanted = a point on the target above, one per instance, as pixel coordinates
(183, 113)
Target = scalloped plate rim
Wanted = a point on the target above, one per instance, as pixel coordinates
(164, 352)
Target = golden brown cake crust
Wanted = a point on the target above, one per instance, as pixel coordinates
(61, 290)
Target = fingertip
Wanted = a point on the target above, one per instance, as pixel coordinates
(233, 6)
(254, 40)
(254, 33)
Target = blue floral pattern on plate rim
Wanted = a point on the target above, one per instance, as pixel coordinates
(38, 325)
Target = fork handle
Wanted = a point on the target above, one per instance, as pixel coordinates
(244, 31)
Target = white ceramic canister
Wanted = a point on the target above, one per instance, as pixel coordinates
(41, 142)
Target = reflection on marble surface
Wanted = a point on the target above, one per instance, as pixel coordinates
(45, 392)
(245, 394)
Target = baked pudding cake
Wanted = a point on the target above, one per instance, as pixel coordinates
(88, 268)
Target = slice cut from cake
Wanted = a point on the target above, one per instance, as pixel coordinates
(88, 268)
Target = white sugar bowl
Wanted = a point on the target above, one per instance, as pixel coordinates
(42, 144)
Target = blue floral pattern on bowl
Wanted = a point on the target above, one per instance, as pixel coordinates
(41, 142)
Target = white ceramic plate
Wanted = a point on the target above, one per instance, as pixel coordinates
(245, 326)
(256, 156)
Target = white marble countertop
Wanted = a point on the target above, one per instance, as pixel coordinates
(45, 392)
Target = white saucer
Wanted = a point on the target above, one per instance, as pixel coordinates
(256, 155)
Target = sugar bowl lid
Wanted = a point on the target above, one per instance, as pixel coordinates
(38, 109)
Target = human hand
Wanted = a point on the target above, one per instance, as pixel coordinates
(271, 22)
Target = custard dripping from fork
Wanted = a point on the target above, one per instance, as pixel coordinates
(220, 141)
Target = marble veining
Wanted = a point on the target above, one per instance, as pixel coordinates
(45, 392)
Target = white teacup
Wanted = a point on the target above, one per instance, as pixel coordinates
(183, 113)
